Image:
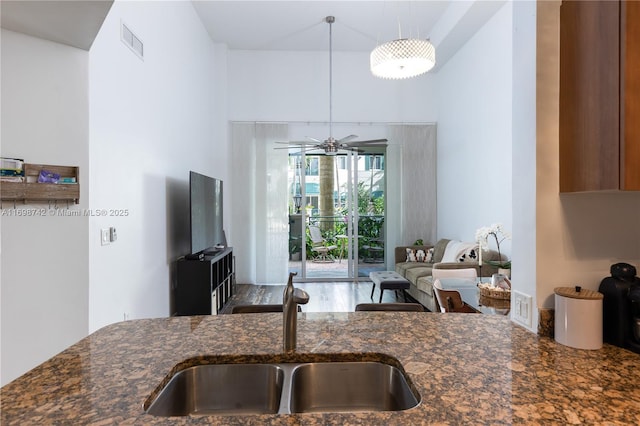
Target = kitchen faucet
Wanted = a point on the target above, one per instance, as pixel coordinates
(290, 300)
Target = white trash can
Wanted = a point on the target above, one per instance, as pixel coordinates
(578, 317)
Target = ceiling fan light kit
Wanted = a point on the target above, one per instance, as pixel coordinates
(402, 58)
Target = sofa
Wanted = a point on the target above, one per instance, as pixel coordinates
(415, 263)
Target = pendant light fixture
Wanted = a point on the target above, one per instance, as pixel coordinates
(402, 58)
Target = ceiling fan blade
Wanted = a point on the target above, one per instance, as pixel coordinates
(297, 143)
(378, 142)
(347, 138)
(349, 148)
(313, 139)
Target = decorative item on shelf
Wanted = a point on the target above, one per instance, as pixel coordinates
(499, 235)
(419, 242)
(47, 176)
(12, 168)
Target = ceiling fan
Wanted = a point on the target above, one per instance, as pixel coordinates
(331, 146)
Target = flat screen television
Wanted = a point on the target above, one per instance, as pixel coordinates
(205, 206)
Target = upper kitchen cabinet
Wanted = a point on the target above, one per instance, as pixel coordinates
(599, 96)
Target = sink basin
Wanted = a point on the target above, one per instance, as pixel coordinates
(221, 389)
(284, 388)
(349, 386)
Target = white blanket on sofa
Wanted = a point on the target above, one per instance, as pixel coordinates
(456, 249)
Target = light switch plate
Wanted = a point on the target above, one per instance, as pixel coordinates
(105, 236)
(112, 234)
(522, 308)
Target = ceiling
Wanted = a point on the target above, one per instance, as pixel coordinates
(276, 25)
(300, 25)
(74, 23)
(359, 25)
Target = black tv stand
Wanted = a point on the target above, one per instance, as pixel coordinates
(196, 256)
(213, 251)
(204, 286)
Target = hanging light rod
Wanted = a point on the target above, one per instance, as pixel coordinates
(331, 145)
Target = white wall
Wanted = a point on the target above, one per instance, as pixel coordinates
(152, 121)
(294, 86)
(524, 156)
(44, 270)
(474, 99)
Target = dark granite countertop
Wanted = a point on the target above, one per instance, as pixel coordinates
(467, 368)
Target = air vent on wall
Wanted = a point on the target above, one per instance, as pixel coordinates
(132, 42)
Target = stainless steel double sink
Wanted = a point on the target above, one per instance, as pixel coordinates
(283, 388)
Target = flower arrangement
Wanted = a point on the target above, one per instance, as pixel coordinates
(497, 232)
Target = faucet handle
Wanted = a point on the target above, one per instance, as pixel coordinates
(300, 296)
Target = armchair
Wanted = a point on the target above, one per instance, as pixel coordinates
(319, 245)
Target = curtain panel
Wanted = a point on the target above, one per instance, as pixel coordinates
(260, 221)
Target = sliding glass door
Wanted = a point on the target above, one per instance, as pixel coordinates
(336, 214)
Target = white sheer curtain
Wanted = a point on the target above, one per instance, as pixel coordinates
(411, 186)
(260, 223)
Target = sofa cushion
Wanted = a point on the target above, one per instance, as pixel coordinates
(414, 273)
(426, 285)
(403, 267)
(438, 250)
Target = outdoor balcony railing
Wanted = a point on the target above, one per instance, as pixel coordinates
(370, 235)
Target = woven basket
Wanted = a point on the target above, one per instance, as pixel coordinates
(494, 293)
(495, 303)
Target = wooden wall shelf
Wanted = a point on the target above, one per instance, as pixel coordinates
(33, 192)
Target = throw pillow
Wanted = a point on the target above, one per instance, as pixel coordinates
(469, 255)
(411, 255)
(429, 257)
(418, 255)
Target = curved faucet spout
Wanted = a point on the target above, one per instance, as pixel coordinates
(291, 298)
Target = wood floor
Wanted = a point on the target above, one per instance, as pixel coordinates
(323, 296)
